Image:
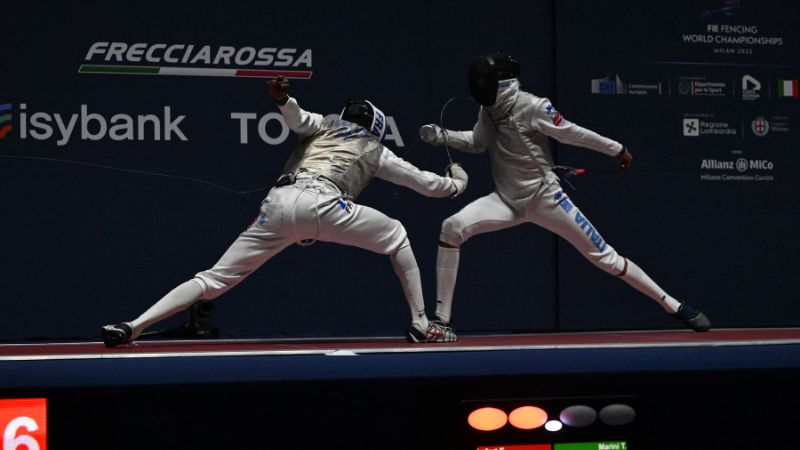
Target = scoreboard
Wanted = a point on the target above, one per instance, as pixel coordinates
(553, 423)
(24, 423)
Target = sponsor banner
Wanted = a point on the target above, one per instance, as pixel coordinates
(739, 169)
(735, 84)
(708, 125)
(613, 84)
(702, 86)
(201, 60)
(712, 125)
(751, 87)
(167, 113)
(36, 122)
(769, 126)
(721, 133)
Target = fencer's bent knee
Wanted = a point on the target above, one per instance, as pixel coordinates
(624, 267)
(214, 285)
(444, 244)
(396, 239)
(452, 232)
(402, 245)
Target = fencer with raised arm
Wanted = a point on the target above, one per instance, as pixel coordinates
(314, 200)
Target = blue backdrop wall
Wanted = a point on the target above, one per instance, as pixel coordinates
(118, 183)
(695, 89)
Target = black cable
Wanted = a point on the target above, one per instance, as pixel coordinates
(136, 171)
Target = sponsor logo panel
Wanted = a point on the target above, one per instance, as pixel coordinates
(751, 88)
(708, 125)
(738, 169)
(702, 86)
(35, 122)
(613, 84)
(198, 60)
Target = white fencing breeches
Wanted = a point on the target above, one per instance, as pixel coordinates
(551, 209)
(296, 213)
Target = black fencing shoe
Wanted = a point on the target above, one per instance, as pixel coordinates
(436, 332)
(114, 335)
(692, 318)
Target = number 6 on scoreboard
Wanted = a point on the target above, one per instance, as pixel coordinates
(24, 423)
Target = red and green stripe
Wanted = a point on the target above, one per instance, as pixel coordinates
(192, 71)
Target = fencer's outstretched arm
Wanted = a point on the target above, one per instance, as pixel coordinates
(550, 122)
(299, 120)
(396, 170)
(474, 141)
(553, 124)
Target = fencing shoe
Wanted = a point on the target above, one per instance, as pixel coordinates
(442, 323)
(114, 335)
(692, 318)
(436, 332)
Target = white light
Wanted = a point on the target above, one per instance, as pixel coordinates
(553, 425)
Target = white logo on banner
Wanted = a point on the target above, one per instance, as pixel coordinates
(751, 88)
(245, 118)
(92, 126)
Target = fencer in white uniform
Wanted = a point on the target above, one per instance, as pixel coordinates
(314, 201)
(515, 127)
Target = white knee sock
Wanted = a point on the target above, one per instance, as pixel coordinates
(639, 280)
(446, 271)
(180, 298)
(405, 266)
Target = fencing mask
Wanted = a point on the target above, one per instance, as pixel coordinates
(484, 73)
(364, 113)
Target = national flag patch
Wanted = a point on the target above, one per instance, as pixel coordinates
(787, 88)
(554, 115)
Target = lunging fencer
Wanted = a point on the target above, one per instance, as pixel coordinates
(515, 127)
(314, 201)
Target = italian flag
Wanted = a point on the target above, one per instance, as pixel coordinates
(787, 88)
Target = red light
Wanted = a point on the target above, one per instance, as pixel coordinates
(527, 417)
(517, 447)
(487, 419)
